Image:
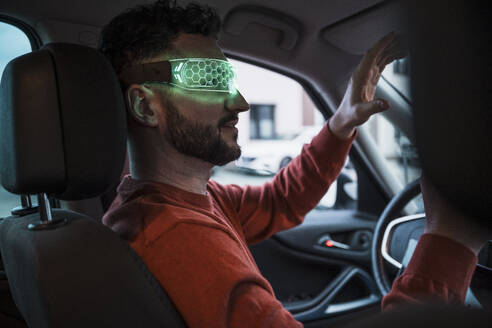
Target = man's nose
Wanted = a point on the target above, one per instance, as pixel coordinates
(236, 103)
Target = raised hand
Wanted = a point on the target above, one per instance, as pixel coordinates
(358, 103)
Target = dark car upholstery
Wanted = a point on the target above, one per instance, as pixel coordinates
(63, 128)
(451, 88)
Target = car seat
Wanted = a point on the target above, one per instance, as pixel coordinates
(63, 132)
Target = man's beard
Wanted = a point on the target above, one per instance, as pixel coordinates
(200, 140)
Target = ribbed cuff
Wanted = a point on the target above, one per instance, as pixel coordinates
(443, 260)
(329, 146)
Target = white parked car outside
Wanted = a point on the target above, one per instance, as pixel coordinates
(266, 157)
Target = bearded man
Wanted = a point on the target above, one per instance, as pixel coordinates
(192, 232)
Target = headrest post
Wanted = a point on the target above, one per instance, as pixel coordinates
(47, 221)
(26, 201)
(44, 208)
(25, 208)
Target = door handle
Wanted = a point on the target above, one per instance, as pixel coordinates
(327, 241)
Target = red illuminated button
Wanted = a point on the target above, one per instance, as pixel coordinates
(329, 243)
(332, 243)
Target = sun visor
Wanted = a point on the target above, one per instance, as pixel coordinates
(359, 32)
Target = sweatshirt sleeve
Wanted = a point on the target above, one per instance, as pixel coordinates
(295, 190)
(440, 271)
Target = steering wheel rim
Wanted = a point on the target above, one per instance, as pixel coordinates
(392, 211)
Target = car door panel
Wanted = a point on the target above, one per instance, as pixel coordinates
(314, 281)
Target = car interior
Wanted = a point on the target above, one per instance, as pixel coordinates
(63, 149)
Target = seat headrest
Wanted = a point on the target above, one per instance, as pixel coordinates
(451, 86)
(62, 123)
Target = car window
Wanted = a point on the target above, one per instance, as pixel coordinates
(397, 149)
(282, 118)
(398, 75)
(400, 154)
(18, 44)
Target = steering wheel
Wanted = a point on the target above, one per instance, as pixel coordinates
(401, 230)
(395, 238)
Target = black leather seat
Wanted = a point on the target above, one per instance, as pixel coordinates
(63, 132)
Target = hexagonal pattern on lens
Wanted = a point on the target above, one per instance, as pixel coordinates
(204, 73)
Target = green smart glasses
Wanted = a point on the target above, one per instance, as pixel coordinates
(203, 74)
(199, 74)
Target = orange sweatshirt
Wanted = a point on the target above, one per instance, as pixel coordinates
(197, 245)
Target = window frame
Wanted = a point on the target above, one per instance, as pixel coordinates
(32, 36)
(27, 29)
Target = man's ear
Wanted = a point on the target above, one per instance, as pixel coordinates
(139, 105)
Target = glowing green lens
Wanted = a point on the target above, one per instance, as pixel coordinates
(203, 74)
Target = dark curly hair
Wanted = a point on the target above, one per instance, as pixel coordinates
(145, 31)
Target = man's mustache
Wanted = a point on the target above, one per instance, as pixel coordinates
(228, 118)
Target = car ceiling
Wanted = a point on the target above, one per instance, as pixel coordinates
(296, 37)
(319, 42)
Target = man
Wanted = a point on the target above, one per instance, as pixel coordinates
(193, 232)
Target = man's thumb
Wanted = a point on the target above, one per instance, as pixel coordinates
(373, 107)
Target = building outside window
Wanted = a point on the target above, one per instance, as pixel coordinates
(262, 121)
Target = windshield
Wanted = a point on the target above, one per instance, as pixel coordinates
(398, 75)
(397, 149)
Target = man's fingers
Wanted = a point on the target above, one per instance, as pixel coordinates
(390, 58)
(377, 54)
(374, 52)
(395, 50)
(382, 44)
(390, 50)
